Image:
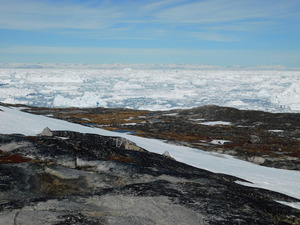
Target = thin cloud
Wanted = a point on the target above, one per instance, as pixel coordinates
(31, 15)
(214, 20)
(159, 5)
(227, 10)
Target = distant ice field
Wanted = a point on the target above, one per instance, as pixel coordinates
(273, 91)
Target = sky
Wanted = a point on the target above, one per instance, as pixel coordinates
(217, 32)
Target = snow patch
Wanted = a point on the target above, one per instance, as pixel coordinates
(170, 114)
(197, 119)
(216, 123)
(291, 204)
(276, 131)
(219, 142)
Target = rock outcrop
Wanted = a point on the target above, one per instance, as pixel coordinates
(269, 139)
(63, 177)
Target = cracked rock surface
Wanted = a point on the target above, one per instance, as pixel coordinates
(63, 177)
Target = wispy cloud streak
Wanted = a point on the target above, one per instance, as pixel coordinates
(229, 10)
(192, 30)
(42, 14)
(33, 14)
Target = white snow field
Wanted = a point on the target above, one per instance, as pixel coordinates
(279, 180)
(154, 89)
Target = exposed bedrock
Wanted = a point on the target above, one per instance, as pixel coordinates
(63, 177)
(269, 139)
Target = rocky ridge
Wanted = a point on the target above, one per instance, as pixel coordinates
(268, 139)
(64, 177)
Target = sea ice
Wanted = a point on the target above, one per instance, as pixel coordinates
(290, 98)
(153, 89)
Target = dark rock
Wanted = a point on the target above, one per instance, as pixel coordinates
(254, 139)
(74, 178)
(276, 140)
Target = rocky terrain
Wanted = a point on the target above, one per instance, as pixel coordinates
(269, 139)
(65, 177)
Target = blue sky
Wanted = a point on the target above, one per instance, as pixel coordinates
(218, 32)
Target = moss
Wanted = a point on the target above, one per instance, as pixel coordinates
(13, 159)
(281, 219)
(121, 159)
